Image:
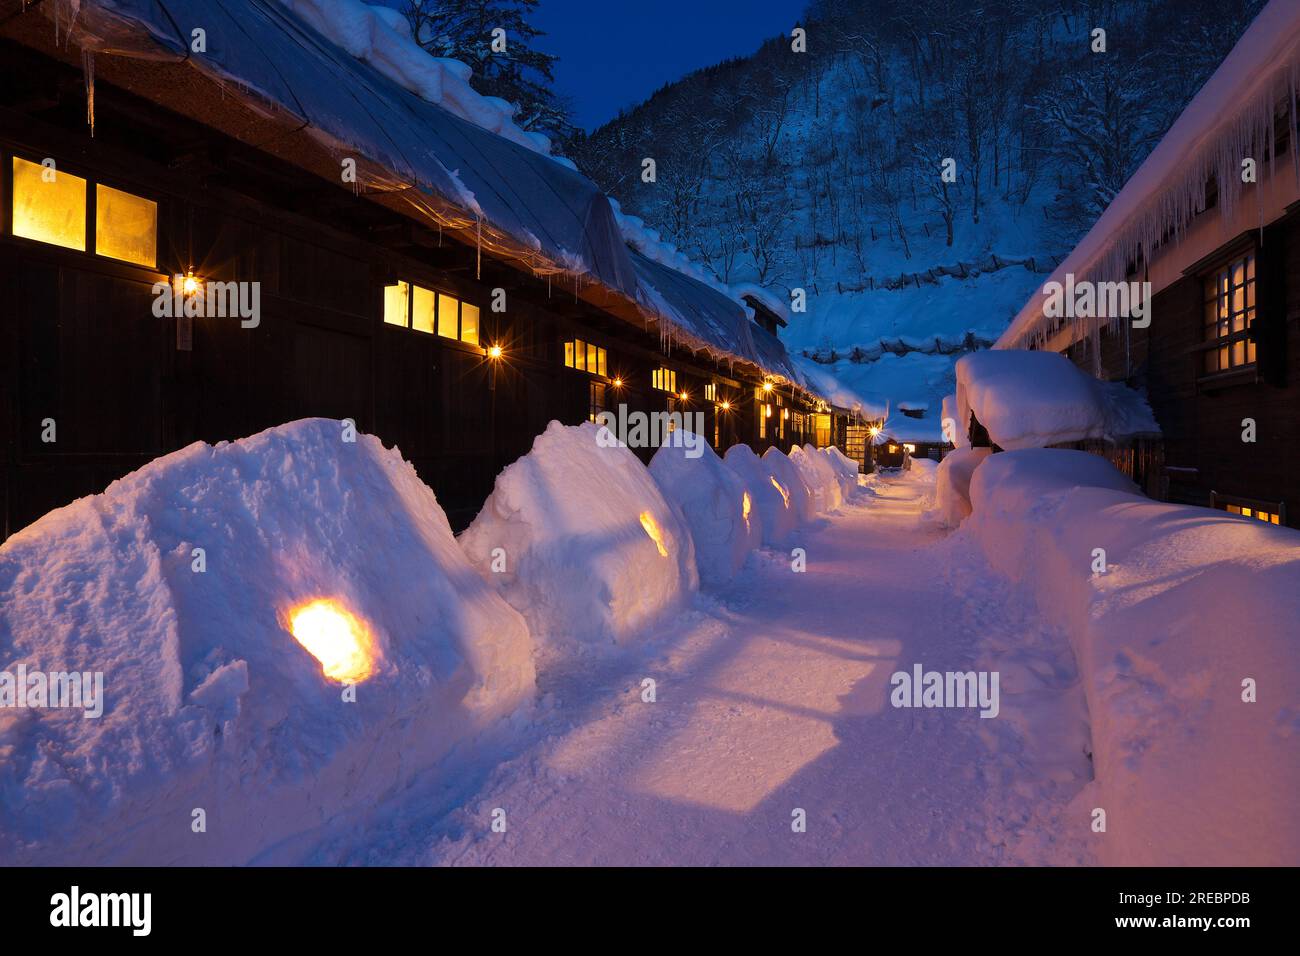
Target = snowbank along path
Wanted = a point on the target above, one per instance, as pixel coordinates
(772, 697)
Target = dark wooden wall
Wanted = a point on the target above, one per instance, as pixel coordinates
(1201, 421)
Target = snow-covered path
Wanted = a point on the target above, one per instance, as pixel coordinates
(773, 697)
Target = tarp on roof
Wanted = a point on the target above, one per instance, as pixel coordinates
(523, 198)
(701, 317)
(266, 50)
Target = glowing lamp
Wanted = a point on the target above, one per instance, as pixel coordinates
(685, 396)
(190, 285)
(494, 352)
(652, 529)
(768, 410)
(785, 495)
(339, 640)
(725, 406)
(618, 383)
(873, 431)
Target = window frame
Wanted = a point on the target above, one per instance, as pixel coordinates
(93, 180)
(569, 346)
(1225, 503)
(1248, 255)
(438, 291)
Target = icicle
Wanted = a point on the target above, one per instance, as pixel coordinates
(88, 68)
(478, 265)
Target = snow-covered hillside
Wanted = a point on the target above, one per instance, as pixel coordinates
(824, 171)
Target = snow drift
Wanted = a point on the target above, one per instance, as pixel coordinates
(1193, 604)
(211, 703)
(792, 485)
(845, 468)
(819, 476)
(1030, 399)
(952, 484)
(577, 536)
(776, 514)
(724, 524)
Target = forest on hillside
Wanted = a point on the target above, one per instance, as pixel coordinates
(824, 167)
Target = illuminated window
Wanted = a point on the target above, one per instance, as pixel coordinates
(1229, 316)
(469, 323)
(664, 379)
(1268, 512)
(415, 307)
(397, 304)
(711, 392)
(126, 227)
(585, 357)
(49, 206)
(422, 306)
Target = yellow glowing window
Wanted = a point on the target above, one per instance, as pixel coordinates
(664, 379)
(585, 357)
(422, 301)
(447, 316)
(126, 227)
(469, 323)
(711, 392)
(397, 303)
(49, 206)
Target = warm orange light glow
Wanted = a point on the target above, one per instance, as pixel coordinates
(618, 383)
(494, 352)
(768, 410)
(873, 431)
(785, 495)
(336, 638)
(910, 449)
(725, 406)
(745, 506)
(190, 284)
(652, 529)
(685, 396)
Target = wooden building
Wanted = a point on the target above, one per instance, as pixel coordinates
(1210, 221)
(427, 302)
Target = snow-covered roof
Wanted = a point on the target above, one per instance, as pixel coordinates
(349, 75)
(1031, 399)
(1230, 118)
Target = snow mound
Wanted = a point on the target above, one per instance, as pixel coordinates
(845, 468)
(210, 701)
(724, 524)
(577, 536)
(819, 476)
(777, 515)
(952, 484)
(787, 475)
(1194, 608)
(1030, 399)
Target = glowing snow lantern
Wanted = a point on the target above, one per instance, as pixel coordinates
(785, 495)
(745, 506)
(340, 641)
(652, 529)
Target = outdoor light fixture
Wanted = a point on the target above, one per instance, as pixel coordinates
(873, 431)
(767, 386)
(652, 529)
(494, 352)
(190, 285)
(336, 638)
(725, 406)
(685, 396)
(617, 383)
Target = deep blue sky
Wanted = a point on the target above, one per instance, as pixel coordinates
(615, 53)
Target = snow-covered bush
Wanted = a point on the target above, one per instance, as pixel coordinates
(181, 584)
(724, 524)
(952, 483)
(786, 474)
(821, 479)
(776, 513)
(1183, 622)
(578, 538)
